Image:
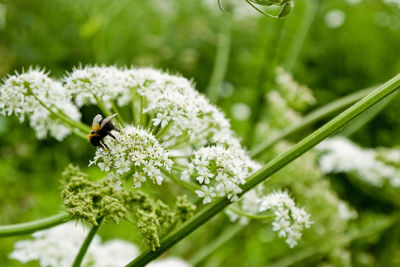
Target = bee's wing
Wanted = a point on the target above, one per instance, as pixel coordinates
(97, 120)
(107, 120)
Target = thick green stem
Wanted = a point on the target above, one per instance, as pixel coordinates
(210, 248)
(82, 251)
(311, 118)
(221, 58)
(270, 168)
(33, 226)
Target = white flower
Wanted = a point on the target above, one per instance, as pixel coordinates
(105, 83)
(21, 95)
(395, 3)
(141, 153)
(58, 246)
(55, 247)
(222, 168)
(342, 155)
(207, 193)
(335, 18)
(289, 220)
(112, 253)
(169, 262)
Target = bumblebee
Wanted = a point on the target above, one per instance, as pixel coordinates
(100, 129)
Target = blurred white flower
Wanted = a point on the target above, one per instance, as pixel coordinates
(345, 212)
(241, 111)
(21, 95)
(169, 262)
(395, 3)
(297, 96)
(353, 2)
(58, 246)
(112, 253)
(342, 155)
(335, 18)
(55, 247)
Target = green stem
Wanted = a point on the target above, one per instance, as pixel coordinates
(270, 168)
(162, 131)
(297, 256)
(143, 104)
(187, 185)
(102, 106)
(33, 226)
(221, 58)
(266, 76)
(82, 251)
(210, 248)
(251, 216)
(136, 106)
(311, 118)
(116, 110)
(301, 31)
(84, 128)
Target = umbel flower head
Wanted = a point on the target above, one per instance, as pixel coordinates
(340, 155)
(220, 170)
(136, 151)
(289, 221)
(34, 95)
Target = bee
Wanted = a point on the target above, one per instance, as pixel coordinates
(100, 129)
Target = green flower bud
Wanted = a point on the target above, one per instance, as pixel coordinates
(91, 200)
(286, 9)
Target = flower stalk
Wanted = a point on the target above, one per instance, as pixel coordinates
(34, 226)
(82, 251)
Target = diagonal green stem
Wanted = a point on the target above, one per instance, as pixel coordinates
(82, 251)
(311, 118)
(67, 120)
(116, 110)
(270, 168)
(102, 106)
(33, 226)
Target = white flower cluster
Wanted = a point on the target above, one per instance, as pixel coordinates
(134, 150)
(21, 95)
(395, 3)
(220, 170)
(342, 155)
(296, 95)
(173, 100)
(169, 100)
(289, 220)
(105, 83)
(58, 246)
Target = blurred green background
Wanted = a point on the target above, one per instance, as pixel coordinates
(334, 47)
